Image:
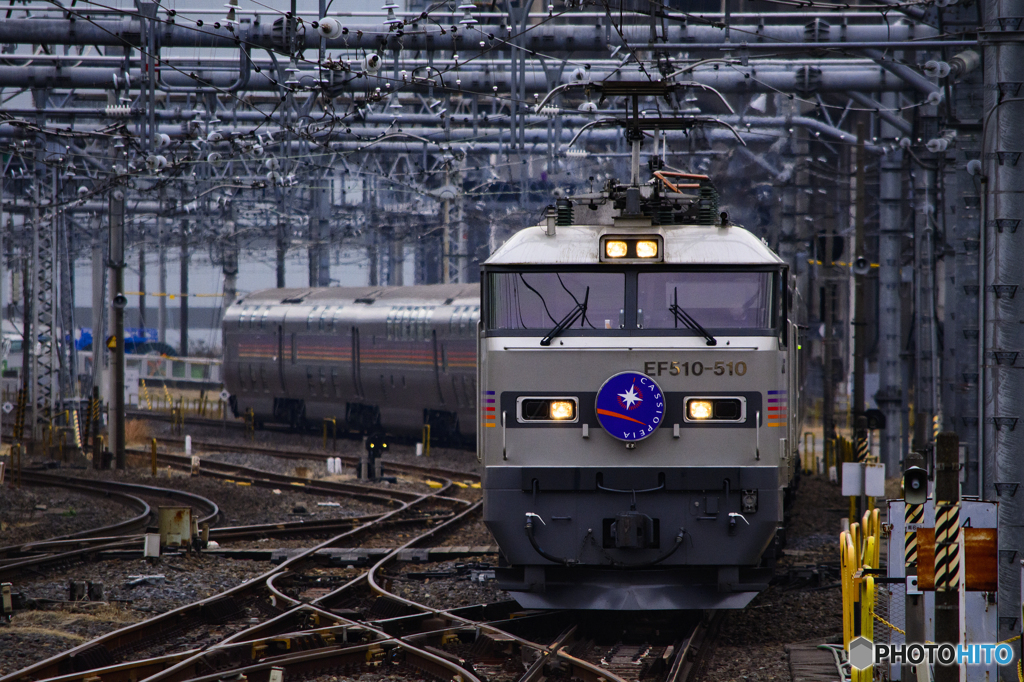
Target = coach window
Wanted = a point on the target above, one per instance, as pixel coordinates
(428, 313)
(390, 324)
(451, 320)
(323, 319)
(263, 318)
(406, 323)
(241, 317)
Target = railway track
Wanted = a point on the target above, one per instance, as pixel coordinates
(360, 624)
(80, 546)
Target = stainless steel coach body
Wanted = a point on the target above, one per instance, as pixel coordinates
(372, 358)
(687, 516)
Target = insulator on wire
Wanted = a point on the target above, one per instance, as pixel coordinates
(392, 20)
(232, 17)
(467, 17)
(118, 111)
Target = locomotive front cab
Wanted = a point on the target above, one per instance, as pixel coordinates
(634, 414)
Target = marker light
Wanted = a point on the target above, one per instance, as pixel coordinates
(561, 410)
(615, 249)
(646, 249)
(699, 409)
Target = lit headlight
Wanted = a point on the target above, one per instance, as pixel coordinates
(615, 249)
(699, 409)
(647, 249)
(539, 409)
(715, 409)
(562, 410)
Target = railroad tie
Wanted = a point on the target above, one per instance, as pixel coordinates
(947, 546)
(913, 514)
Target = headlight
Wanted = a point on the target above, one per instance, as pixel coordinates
(615, 249)
(561, 409)
(715, 409)
(700, 409)
(646, 249)
(618, 248)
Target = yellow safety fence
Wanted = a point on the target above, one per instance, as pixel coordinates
(859, 550)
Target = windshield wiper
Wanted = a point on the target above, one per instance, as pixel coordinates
(686, 319)
(578, 311)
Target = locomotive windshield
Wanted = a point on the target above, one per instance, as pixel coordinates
(633, 301)
(715, 300)
(539, 300)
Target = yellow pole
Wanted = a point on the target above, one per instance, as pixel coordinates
(847, 566)
(867, 618)
(857, 537)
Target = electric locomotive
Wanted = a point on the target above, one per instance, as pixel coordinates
(637, 374)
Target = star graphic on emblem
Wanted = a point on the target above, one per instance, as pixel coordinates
(630, 397)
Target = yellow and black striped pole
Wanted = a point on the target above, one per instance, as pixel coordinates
(913, 516)
(947, 548)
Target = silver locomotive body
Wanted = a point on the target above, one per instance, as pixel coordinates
(371, 358)
(593, 508)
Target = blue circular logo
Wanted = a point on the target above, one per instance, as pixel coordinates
(630, 406)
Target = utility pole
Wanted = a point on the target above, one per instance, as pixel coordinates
(3, 271)
(282, 250)
(861, 267)
(116, 263)
(890, 225)
(913, 517)
(184, 288)
(828, 388)
(161, 251)
(99, 335)
(142, 283)
(229, 266)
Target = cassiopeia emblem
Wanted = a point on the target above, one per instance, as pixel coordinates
(630, 406)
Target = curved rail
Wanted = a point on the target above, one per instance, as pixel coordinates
(130, 525)
(95, 653)
(81, 548)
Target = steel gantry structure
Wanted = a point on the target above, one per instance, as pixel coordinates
(446, 126)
